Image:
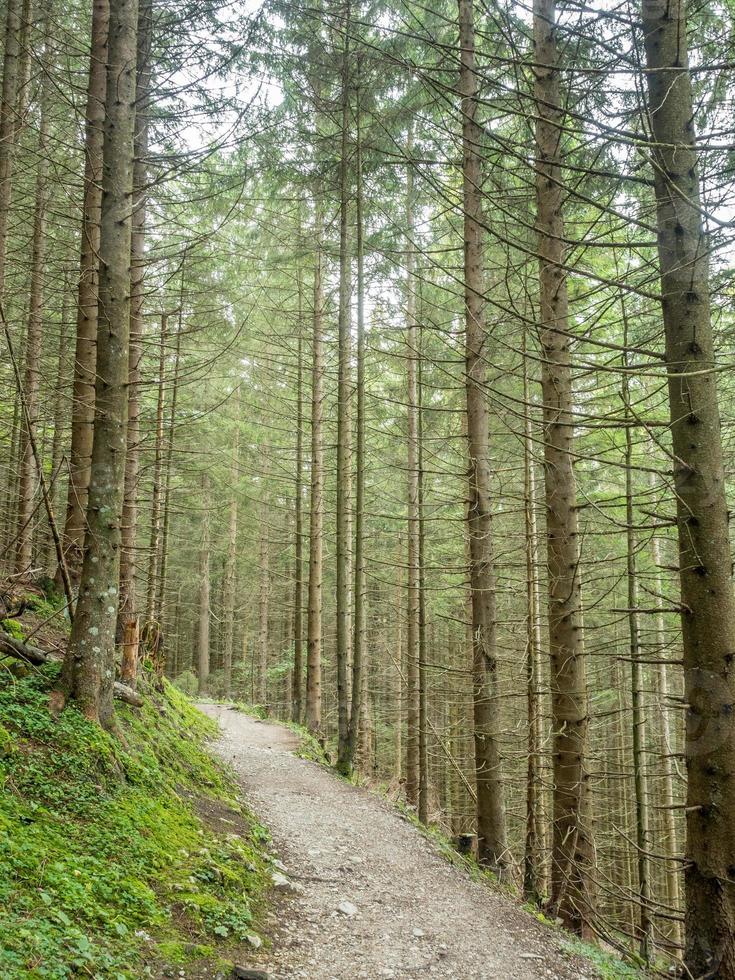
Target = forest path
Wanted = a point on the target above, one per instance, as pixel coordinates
(415, 915)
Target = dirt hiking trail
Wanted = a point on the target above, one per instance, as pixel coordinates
(371, 898)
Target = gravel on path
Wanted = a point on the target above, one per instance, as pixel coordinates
(367, 895)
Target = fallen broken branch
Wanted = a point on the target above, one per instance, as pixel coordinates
(32, 655)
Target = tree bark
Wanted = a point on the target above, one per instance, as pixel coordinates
(59, 415)
(705, 563)
(344, 435)
(154, 550)
(533, 876)
(85, 355)
(297, 680)
(265, 587)
(24, 68)
(640, 721)
(171, 438)
(571, 849)
(492, 846)
(34, 336)
(8, 118)
(413, 613)
(129, 564)
(33, 655)
(231, 559)
(670, 843)
(357, 715)
(90, 660)
(398, 666)
(316, 505)
(204, 597)
(423, 679)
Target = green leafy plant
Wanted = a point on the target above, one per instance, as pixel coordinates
(100, 838)
(13, 628)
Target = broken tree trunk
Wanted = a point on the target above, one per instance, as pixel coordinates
(33, 655)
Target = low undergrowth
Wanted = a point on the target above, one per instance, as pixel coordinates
(107, 867)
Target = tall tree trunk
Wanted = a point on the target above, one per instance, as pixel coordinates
(533, 852)
(297, 680)
(34, 336)
(16, 64)
(705, 563)
(357, 714)
(154, 549)
(90, 659)
(571, 849)
(316, 505)
(231, 560)
(24, 68)
(640, 781)
(85, 355)
(265, 588)
(11, 497)
(128, 558)
(413, 612)
(670, 844)
(204, 595)
(620, 795)
(398, 666)
(423, 725)
(344, 435)
(8, 119)
(59, 416)
(170, 442)
(492, 846)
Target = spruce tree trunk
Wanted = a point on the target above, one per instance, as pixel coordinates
(344, 435)
(316, 505)
(154, 548)
(60, 417)
(492, 845)
(128, 558)
(161, 592)
(90, 659)
(638, 686)
(705, 562)
(571, 849)
(297, 680)
(359, 708)
(203, 641)
(423, 725)
(264, 597)
(670, 844)
(24, 68)
(85, 355)
(11, 497)
(10, 110)
(8, 119)
(398, 667)
(29, 476)
(231, 559)
(533, 876)
(413, 614)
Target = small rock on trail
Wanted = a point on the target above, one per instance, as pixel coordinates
(376, 898)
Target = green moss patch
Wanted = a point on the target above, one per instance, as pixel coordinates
(109, 865)
(13, 628)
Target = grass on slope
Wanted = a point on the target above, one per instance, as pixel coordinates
(106, 868)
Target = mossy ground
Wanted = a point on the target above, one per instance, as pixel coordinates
(119, 853)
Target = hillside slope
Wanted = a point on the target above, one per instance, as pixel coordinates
(126, 855)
